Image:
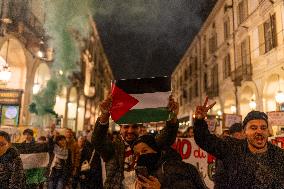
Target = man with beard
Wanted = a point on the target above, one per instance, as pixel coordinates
(249, 163)
(118, 154)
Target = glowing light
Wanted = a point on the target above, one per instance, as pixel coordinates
(252, 104)
(36, 88)
(279, 97)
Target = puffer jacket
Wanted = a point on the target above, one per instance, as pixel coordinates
(11, 170)
(113, 152)
(173, 173)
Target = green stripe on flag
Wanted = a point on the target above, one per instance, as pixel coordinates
(144, 115)
(36, 175)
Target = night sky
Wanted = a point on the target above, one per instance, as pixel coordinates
(148, 38)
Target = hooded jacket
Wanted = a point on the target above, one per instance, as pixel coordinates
(11, 170)
(173, 173)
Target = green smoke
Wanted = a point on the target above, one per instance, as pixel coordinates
(66, 23)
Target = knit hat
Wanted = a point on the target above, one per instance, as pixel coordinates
(149, 140)
(236, 127)
(253, 115)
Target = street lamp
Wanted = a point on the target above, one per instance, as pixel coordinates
(233, 109)
(252, 104)
(279, 97)
(36, 88)
(5, 73)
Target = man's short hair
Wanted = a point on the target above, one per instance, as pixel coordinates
(5, 135)
(59, 138)
(29, 132)
(253, 115)
(236, 127)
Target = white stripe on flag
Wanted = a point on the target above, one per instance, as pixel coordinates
(35, 160)
(151, 100)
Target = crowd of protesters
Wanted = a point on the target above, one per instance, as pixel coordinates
(135, 159)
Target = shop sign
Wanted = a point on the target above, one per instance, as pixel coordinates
(276, 118)
(10, 96)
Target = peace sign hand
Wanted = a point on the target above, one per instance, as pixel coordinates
(201, 111)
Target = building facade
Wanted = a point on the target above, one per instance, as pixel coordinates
(26, 63)
(78, 103)
(236, 59)
(25, 58)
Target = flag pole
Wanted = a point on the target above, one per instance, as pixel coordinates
(112, 84)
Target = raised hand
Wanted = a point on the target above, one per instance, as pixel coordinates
(201, 111)
(173, 107)
(150, 183)
(105, 107)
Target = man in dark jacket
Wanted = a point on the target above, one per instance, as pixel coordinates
(11, 167)
(118, 154)
(250, 163)
(165, 168)
(220, 177)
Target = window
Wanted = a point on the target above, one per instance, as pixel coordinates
(227, 66)
(245, 52)
(185, 74)
(226, 29)
(204, 54)
(196, 89)
(270, 33)
(196, 64)
(205, 81)
(214, 75)
(267, 35)
(213, 43)
(242, 11)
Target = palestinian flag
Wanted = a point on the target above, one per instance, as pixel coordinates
(35, 158)
(140, 100)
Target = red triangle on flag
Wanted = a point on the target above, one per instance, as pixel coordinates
(121, 103)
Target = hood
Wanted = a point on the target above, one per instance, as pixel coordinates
(169, 155)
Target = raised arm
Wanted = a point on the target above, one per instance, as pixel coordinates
(17, 180)
(100, 140)
(203, 138)
(168, 135)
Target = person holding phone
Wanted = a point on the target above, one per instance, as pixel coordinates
(156, 168)
(118, 154)
(250, 163)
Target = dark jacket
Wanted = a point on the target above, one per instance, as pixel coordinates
(93, 177)
(173, 173)
(243, 169)
(11, 170)
(113, 152)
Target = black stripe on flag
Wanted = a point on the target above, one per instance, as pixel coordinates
(144, 85)
(28, 148)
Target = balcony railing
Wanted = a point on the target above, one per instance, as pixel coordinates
(213, 91)
(19, 12)
(243, 72)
